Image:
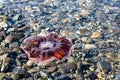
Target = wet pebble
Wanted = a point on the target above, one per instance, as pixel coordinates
(104, 66)
(111, 55)
(5, 64)
(89, 46)
(68, 67)
(96, 35)
(29, 63)
(51, 69)
(33, 70)
(9, 39)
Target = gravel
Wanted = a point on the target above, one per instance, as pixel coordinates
(92, 25)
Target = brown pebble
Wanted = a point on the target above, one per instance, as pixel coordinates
(111, 55)
(9, 39)
(96, 35)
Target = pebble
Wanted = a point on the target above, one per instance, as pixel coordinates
(96, 35)
(33, 70)
(9, 39)
(5, 64)
(29, 63)
(68, 67)
(17, 35)
(104, 66)
(89, 46)
(51, 69)
(86, 40)
(111, 55)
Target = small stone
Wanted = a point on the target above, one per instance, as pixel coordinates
(17, 35)
(33, 70)
(104, 66)
(89, 46)
(96, 35)
(111, 55)
(68, 67)
(29, 63)
(82, 31)
(17, 49)
(9, 39)
(100, 75)
(5, 64)
(86, 40)
(51, 69)
(92, 68)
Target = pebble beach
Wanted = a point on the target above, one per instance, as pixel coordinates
(92, 25)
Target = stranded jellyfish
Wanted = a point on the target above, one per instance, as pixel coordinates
(44, 49)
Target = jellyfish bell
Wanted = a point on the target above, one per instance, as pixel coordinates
(45, 49)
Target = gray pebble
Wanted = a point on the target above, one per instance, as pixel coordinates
(104, 66)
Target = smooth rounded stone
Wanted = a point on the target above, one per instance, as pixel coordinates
(51, 69)
(29, 63)
(5, 64)
(104, 66)
(96, 35)
(111, 55)
(68, 67)
(82, 31)
(100, 75)
(92, 68)
(18, 35)
(90, 46)
(34, 69)
(9, 39)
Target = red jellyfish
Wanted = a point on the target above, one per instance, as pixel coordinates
(44, 49)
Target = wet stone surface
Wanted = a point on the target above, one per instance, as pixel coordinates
(92, 25)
